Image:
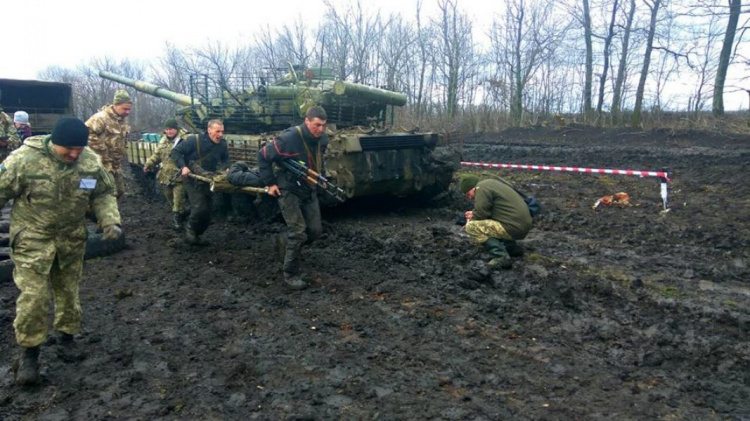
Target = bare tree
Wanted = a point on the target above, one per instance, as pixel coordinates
(454, 52)
(653, 5)
(523, 42)
(735, 7)
(622, 66)
(589, 69)
(352, 40)
(398, 41)
(606, 56)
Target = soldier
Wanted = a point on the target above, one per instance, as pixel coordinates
(8, 135)
(109, 133)
(202, 154)
(21, 123)
(298, 201)
(172, 186)
(500, 217)
(53, 179)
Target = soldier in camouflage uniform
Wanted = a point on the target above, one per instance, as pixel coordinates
(108, 135)
(500, 217)
(173, 187)
(53, 179)
(9, 139)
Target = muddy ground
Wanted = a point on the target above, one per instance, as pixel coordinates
(618, 313)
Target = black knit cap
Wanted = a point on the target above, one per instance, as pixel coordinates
(70, 132)
(171, 124)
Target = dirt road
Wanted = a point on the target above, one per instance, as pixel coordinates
(618, 313)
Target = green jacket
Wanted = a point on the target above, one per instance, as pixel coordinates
(498, 201)
(51, 198)
(8, 131)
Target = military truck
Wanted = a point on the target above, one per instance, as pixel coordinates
(365, 155)
(46, 102)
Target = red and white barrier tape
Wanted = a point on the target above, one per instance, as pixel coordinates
(659, 174)
(662, 175)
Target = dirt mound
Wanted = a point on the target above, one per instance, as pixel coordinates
(618, 313)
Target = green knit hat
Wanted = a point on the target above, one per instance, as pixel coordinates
(171, 124)
(121, 97)
(467, 182)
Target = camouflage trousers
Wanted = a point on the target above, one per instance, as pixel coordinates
(483, 229)
(33, 304)
(302, 217)
(119, 182)
(176, 197)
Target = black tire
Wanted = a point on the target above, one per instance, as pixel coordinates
(96, 246)
(6, 270)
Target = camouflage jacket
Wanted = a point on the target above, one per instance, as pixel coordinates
(497, 200)
(161, 154)
(108, 134)
(51, 196)
(8, 130)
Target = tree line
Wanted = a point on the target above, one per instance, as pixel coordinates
(605, 62)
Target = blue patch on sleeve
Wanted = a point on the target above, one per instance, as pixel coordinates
(87, 184)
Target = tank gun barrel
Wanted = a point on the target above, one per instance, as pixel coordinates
(369, 93)
(151, 89)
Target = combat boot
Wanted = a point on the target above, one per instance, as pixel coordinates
(68, 350)
(500, 256)
(192, 238)
(514, 249)
(294, 281)
(178, 221)
(28, 368)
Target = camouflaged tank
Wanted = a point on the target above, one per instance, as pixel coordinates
(365, 157)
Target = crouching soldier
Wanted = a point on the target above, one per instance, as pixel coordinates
(500, 218)
(53, 180)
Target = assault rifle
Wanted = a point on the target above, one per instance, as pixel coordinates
(174, 178)
(313, 178)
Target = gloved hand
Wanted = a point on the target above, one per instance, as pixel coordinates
(111, 232)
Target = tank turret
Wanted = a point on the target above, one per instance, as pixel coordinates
(364, 158)
(260, 104)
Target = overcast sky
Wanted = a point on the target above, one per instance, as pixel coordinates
(67, 33)
(70, 32)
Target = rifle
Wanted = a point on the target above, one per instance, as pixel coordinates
(219, 185)
(313, 178)
(174, 178)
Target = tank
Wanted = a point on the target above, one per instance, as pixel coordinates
(365, 156)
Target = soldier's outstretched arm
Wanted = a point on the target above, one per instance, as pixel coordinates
(104, 200)
(155, 157)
